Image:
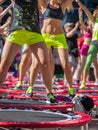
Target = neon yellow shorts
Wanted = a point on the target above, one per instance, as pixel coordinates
(57, 41)
(21, 37)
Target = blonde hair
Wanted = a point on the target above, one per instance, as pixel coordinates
(70, 5)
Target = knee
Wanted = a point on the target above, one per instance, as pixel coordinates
(45, 63)
(65, 65)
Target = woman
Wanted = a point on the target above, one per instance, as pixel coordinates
(93, 49)
(53, 34)
(25, 28)
(71, 36)
(86, 27)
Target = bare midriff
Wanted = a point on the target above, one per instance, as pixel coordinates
(52, 26)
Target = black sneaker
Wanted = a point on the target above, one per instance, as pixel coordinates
(51, 98)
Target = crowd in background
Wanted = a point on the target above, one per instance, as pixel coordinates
(75, 39)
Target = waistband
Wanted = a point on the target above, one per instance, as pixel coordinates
(55, 35)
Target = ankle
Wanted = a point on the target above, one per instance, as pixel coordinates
(83, 82)
(71, 88)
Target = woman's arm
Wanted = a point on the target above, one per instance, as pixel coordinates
(5, 26)
(6, 10)
(1, 2)
(7, 23)
(84, 27)
(87, 12)
(73, 31)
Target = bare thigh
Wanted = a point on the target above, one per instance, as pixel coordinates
(9, 52)
(40, 51)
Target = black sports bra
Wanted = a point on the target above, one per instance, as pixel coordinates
(53, 13)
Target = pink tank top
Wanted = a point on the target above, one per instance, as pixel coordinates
(88, 34)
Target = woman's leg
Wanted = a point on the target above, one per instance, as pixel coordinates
(95, 62)
(79, 70)
(51, 61)
(24, 65)
(63, 56)
(93, 50)
(34, 68)
(9, 52)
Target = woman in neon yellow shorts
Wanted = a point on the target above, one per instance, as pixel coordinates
(53, 34)
(24, 28)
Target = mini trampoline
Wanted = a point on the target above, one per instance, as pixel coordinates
(21, 94)
(88, 91)
(32, 104)
(34, 92)
(12, 118)
(91, 93)
(91, 84)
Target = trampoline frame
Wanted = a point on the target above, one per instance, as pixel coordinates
(81, 122)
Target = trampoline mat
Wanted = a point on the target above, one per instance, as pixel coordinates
(24, 102)
(16, 118)
(32, 116)
(36, 105)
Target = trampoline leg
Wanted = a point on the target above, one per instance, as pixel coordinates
(82, 128)
(97, 111)
(85, 127)
(58, 129)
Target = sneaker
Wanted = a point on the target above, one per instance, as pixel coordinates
(83, 85)
(51, 98)
(29, 91)
(18, 87)
(71, 92)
